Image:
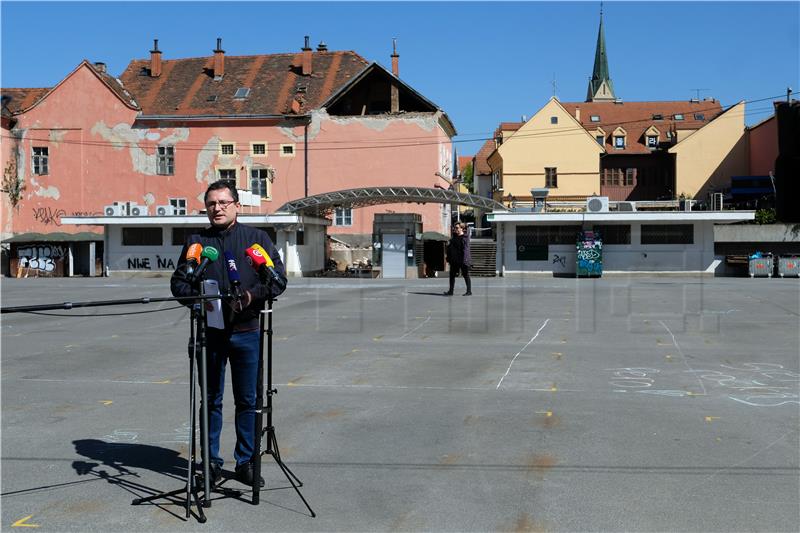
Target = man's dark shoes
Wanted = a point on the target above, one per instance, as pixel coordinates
(244, 474)
(468, 293)
(448, 293)
(215, 473)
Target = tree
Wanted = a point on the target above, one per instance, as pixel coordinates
(467, 175)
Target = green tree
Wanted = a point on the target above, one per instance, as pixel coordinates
(467, 175)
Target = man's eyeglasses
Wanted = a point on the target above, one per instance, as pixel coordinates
(223, 204)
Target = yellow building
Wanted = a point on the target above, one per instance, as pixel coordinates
(604, 146)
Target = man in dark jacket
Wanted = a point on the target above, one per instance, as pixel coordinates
(459, 257)
(239, 340)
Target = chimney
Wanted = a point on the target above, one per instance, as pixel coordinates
(322, 47)
(219, 60)
(100, 67)
(577, 113)
(395, 59)
(155, 60)
(394, 97)
(306, 58)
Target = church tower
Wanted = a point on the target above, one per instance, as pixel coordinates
(600, 87)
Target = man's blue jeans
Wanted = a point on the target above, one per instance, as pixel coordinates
(241, 349)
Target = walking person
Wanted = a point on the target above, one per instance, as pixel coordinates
(459, 257)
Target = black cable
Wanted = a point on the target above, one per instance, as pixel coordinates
(102, 314)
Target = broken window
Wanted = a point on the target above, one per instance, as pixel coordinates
(40, 160)
(165, 160)
(260, 178)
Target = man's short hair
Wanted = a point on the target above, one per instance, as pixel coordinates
(223, 184)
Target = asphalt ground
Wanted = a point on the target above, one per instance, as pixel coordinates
(538, 404)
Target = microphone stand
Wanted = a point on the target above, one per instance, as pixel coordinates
(197, 351)
(272, 442)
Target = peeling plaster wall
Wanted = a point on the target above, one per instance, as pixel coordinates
(205, 161)
(122, 136)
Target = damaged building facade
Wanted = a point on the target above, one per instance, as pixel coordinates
(146, 145)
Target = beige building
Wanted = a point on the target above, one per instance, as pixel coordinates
(659, 150)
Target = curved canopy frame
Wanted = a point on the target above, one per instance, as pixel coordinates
(323, 204)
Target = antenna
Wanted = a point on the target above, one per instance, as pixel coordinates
(553, 83)
(698, 92)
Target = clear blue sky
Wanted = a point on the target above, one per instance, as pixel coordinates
(482, 62)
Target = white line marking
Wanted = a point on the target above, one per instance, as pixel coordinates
(416, 328)
(134, 382)
(683, 356)
(519, 352)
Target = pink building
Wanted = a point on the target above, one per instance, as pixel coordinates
(283, 126)
(763, 146)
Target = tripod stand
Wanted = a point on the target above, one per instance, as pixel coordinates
(197, 346)
(272, 442)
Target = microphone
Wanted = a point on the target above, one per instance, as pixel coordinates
(260, 260)
(233, 276)
(193, 257)
(209, 255)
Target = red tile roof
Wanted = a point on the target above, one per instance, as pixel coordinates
(16, 100)
(482, 158)
(637, 117)
(463, 161)
(186, 86)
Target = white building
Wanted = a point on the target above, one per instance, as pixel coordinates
(637, 241)
(141, 244)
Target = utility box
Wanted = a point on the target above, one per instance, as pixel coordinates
(589, 255)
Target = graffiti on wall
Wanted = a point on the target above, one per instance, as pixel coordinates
(48, 215)
(144, 263)
(41, 257)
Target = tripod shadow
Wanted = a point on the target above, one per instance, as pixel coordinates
(119, 464)
(441, 293)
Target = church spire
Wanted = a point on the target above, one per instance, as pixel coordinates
(600, 86)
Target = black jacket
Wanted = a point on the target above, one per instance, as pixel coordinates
(235, 239)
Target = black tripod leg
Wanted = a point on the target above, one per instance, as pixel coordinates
(272, 449)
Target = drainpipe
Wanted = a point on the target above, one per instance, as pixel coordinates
(305, 157)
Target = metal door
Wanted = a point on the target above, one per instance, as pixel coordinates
(394, 255)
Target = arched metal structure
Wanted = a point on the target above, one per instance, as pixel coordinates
(325, 203)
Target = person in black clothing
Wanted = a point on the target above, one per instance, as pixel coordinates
(459, 257)
(239, 341)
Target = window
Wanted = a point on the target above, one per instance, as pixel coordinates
(343, 216)
(553, 120)
(181, 234)
(531, 235)
(595, 118)
(612, 176)
(614, 234)
(652, 141)
(260, 179)
(551, 177)
(601, 140)
(667, 234)
(658, 116)
(287, 150)
(678, 116)
(699, 116)
(142, 236)
(40, 160)
(242, 92)
(300, 237)
(258, 149)
(179, 204)
(211, 98)
(228, 174)
(619, 141)
(227, 149)
(165, 160)
(630, 176)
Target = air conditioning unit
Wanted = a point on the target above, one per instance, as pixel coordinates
(166, 210)
(597, 204)
(135, 210)
(626, 206)
(114, 210)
